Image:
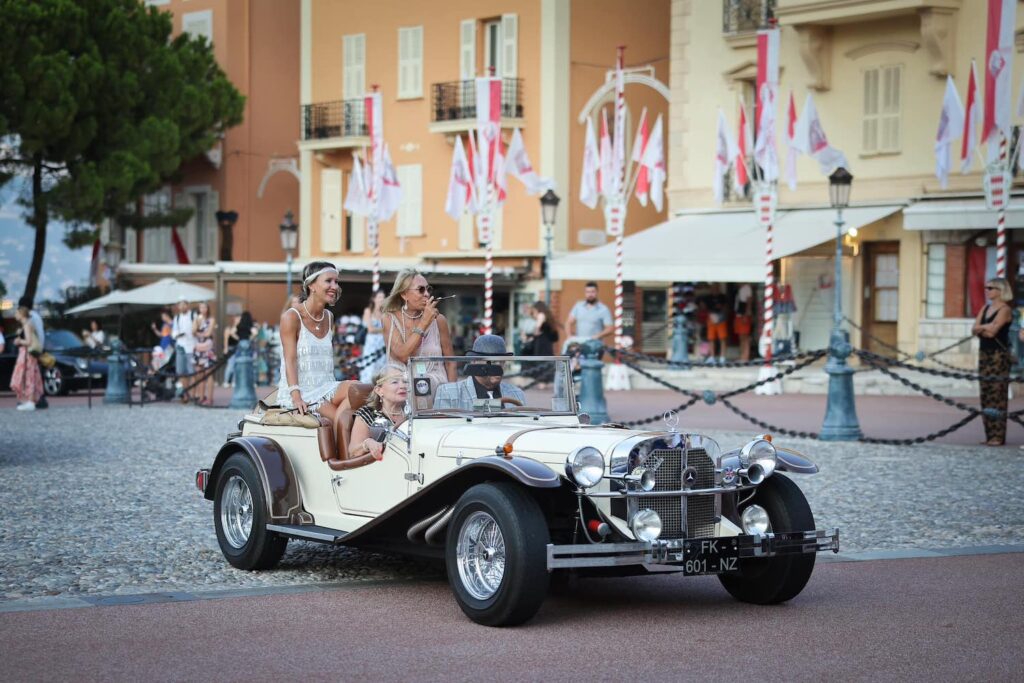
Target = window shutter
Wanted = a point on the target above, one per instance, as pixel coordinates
(889, 135)
(131, 245)
(509, 45)
(354, 70)
(212, 231)
(497, 228)
(410, 62)
(467, 231)
(410, 210)
(869, 141)
(467, 49)
(198, 24)
(330, 210)
(357, 230)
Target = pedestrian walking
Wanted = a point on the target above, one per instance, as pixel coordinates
(203, 328)
(717, 327)
(589, 318)
(374, 343)
(27, 380)
(414, 327)
(40, 330)
(992, 327)
(743, 320)
(184, 343)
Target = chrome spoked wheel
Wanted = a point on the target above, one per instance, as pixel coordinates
(53, 381)
(480, 554)
(236, 512)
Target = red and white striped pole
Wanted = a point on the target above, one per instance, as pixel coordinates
(375, 238)
(488, 260)
(618, 212)
(1003, 177)
(618, 290)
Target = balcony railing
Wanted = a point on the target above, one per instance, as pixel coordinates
(742, 16)
(339, 119)
(456, 100)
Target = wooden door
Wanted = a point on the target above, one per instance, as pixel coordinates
(881, 296)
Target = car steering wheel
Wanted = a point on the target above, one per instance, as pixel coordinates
(512, 400)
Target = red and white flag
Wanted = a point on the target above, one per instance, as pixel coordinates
(357, 200)
(501, 173)
(969, 136)
(725, 153)
(654, 163)
(390, 191)
(643, 181)
(590, 189)
(460, 184)
(179, 248)
(606, 176)
(374, 110)
(791, 150)
(765, 153)
(488, 126)
(809, 137)
(741, 178)
(951, 122)
(998, 63)
(519, 166)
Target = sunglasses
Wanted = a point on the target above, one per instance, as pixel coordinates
(423, 289)
(990, 287)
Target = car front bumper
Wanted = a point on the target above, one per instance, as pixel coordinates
(693, 556)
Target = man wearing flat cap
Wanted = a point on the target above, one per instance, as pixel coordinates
(484, 380)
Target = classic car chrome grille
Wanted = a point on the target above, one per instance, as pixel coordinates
(700, 511)
(667, 478)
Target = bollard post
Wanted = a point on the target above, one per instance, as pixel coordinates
(244, 393)
(1016, 347)
(680, 340)
(591, 382)
(117, 375)
(841, 411)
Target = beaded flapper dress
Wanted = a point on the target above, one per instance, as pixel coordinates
(314, 361)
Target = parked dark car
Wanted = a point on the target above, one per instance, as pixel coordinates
(75, 362)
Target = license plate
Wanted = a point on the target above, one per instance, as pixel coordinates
(710, 556)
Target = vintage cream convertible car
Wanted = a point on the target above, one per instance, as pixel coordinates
(510, 495)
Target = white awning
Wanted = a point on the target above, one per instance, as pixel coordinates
(960, 214)
(712, 246)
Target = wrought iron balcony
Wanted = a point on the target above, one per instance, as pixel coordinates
(331, 120)
(743, 16)
(455, 102)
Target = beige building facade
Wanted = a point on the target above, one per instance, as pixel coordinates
(877, 70)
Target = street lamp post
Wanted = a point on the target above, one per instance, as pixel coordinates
(548, 207)
(841, 412)
(289, 240)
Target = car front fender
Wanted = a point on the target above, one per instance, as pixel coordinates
(280, 487)
(796, 463)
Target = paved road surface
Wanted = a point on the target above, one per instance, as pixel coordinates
(955, 618)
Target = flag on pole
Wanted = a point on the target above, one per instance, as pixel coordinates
(643, 184)
(518, 164)
(654, 163)
(500, 173)
(357, 200)
(969, 137)
(791, 150)
(605, 179)
(998, 63)
(488, 124)
(460, 184)
(725, 153)
(374, 110)
(390, 191)
(740, 177)
(765, 154)
(179, 248)
(951, 122)
(590, 189)
(94, 264)
(809, 137)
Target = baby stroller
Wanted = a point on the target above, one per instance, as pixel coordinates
(158, 379)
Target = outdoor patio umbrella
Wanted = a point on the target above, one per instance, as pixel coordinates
(160, 293)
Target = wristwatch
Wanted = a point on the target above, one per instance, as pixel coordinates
(419, 330)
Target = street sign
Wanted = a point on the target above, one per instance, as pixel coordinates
(997, 186)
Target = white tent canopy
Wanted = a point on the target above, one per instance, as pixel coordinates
(160, 293)
(712, 246)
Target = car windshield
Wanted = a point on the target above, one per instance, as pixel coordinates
(490, 385)
(60, 340)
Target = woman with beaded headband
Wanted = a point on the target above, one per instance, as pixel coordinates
(307, 344)
(414, 327)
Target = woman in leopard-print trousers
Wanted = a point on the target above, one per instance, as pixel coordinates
(992, 328)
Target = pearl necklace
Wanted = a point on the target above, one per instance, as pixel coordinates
(411, 317)
(316, 320)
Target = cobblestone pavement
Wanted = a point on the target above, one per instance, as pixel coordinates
(101, 502)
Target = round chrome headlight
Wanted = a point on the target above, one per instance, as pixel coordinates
(585, 466)
(759, 452)
(755, 520)
(646, 525)
(82, 364)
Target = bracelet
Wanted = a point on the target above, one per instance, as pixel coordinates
(419, 330)
(290, 389)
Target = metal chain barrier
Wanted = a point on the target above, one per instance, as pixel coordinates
(757, 362)
(876, 359)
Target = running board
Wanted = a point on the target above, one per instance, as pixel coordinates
(310, 532)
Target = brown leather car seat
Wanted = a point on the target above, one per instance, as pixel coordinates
(358, 394)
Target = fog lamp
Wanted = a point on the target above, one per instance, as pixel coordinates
(646, 525)
(755, 520)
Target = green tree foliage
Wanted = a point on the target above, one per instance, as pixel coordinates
(100, 107)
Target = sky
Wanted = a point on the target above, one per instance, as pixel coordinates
(62, 267)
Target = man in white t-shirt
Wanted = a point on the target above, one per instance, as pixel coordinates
(184, 339)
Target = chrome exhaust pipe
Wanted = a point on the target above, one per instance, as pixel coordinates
(435, 534)
(754, 474)
(416, 531)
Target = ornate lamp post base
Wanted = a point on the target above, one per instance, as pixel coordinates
(841, 412)
(244, 395)
(680, 341)
(117, 377)
(592, 384)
